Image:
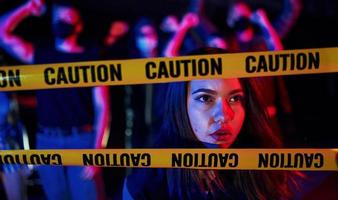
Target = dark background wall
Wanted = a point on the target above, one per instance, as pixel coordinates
(315, 27)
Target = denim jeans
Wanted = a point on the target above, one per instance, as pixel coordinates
(65, 182)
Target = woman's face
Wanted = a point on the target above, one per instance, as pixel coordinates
(216, 110)
(147, 39)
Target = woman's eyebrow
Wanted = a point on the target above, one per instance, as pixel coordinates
(210, 91)
(236, 91)
(205, 90)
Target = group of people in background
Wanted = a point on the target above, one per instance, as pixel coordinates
(81, 118)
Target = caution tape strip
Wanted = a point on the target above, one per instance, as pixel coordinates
(159, 70)
(242, 159)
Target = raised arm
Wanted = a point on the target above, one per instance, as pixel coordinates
(288, 17)
(189, 20)
(101, 99)
(102, 115)
(13, 44)
(270, 35)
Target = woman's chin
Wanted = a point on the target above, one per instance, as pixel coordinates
(211, 145)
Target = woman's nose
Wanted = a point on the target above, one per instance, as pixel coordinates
(223, 112)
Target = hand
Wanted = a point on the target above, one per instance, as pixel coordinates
(170, 24)
(190, 20)
(259, 17)
(89, 172)
(118, 28)
(36, 7)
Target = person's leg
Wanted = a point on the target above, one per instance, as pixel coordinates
(80, 188)
(52, 178)
(15, 185)
(53, 182)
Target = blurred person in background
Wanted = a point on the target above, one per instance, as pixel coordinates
(13, 176)
(253, 31)
(72, 118)
(115, 46)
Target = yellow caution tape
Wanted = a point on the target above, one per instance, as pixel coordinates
(159, 70)
(242, 159)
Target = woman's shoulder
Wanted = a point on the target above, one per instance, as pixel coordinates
(149, 183)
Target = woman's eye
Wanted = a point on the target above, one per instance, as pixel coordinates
(236, 99)
(205, 98)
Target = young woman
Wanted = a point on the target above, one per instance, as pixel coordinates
(220, 113)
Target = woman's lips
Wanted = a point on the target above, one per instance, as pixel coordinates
(221, 135)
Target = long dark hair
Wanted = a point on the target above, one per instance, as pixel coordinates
(257, 131)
